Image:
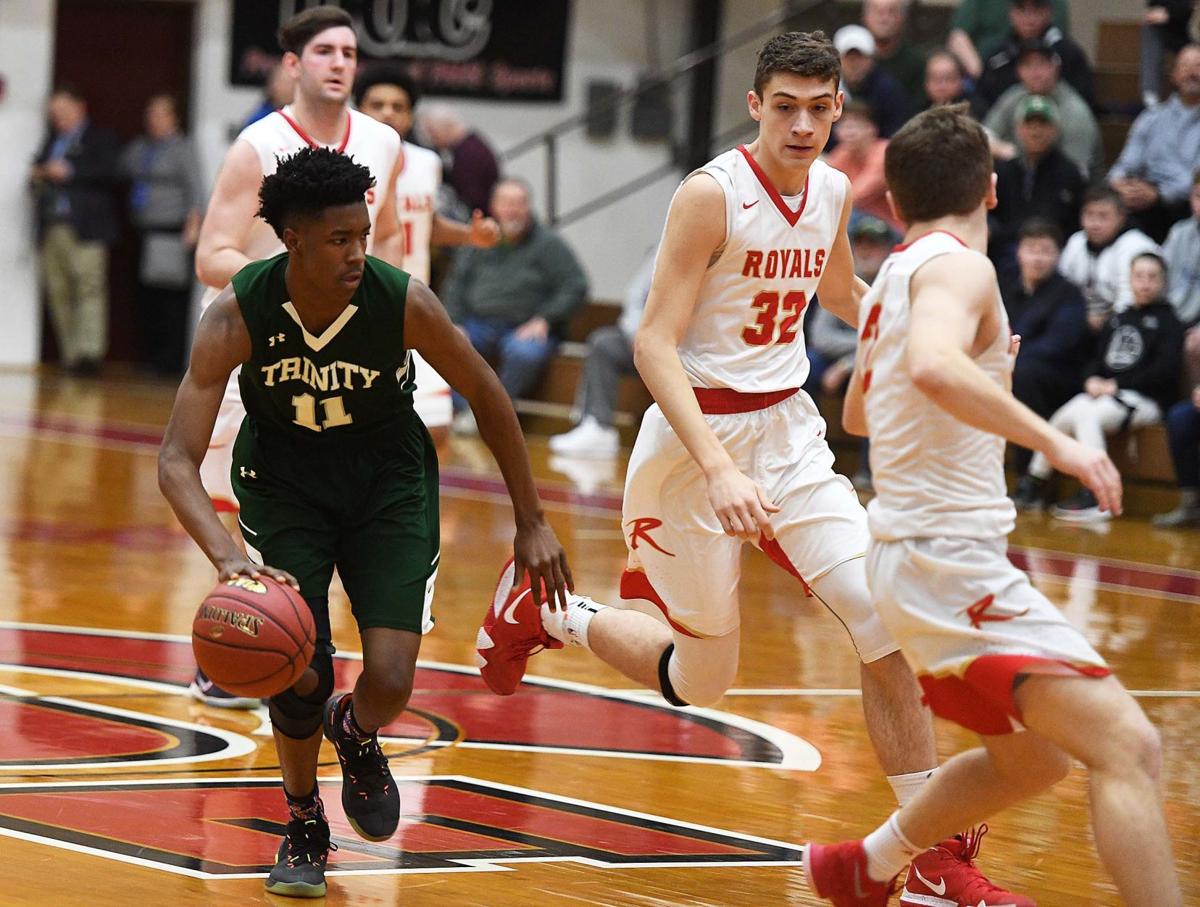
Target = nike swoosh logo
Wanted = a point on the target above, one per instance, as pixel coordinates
(507, 613)
(750, 205)
(939, 889)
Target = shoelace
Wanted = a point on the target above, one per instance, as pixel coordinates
(979, 885)
(370, 762)
(309, 841)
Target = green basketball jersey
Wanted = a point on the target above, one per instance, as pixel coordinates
(349, 383)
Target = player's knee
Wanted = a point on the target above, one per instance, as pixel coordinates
(299, 716)
(392, 684)
(699, 685)
(1143, 744)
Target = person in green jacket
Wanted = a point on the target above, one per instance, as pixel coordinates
(513, 301)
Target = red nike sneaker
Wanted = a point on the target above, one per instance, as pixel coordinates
(512, 631)
(946, 876)
(838, 873)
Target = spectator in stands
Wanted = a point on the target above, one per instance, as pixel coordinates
(1131, 384)
(859, 155)
(1097, 259)
(945, 82)
(1032, 21)
(1154, 172)
(1079, 134)
(1040, 181)
(471, 169)
(1182, 253)
(831, 343)
(609, 358)
(73, 178)
(895, 54)
(278, 90)
(1049, 314)
(165, 203)
(1165, 26)
(1183, 434)
(979, 28)
(862, 80)
(513, 300)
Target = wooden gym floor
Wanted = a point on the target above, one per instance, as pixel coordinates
(116, 788)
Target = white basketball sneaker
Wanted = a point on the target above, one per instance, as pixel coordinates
(588, 439)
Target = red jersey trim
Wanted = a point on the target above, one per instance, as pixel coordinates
(307, 138)
(903, 246)
(792, 217)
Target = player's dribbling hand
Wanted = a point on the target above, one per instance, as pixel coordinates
(1094, 469)
(236, 567)
(537, 550)
(740, 505)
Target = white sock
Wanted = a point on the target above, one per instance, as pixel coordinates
(571, 626)
(888, 851)
(905, 787)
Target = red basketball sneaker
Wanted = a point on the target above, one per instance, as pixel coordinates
(512, 631)
(838, 873)
(946, 876)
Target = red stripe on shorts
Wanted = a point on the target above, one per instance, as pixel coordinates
(982, 699)
(220, 505)
(635, 584)
(772, 549)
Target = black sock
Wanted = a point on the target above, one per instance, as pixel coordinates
(349, 725)
(307, 807)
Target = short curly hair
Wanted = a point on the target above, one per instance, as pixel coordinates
(309, 181)
(809, 54)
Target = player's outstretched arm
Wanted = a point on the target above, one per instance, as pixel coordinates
(841, 290)
(229, 218)
(695, 230)
(429, 331)
(387, 237)
(221, 344)
(952, 315)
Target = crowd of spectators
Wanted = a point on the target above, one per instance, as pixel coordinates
(1099, 265)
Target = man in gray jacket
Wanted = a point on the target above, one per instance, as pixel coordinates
(514, 300)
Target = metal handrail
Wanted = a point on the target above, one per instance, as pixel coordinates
(668, 75)
(549, 138)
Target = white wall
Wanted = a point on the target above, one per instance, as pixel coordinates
(26, 36)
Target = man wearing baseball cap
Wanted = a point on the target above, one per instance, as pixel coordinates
(1039, 181)
(1038, 67)
(864, 81)
(1033, 19)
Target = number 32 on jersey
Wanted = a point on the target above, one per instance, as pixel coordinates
(775, 312)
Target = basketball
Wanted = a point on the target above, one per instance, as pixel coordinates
(253, 637)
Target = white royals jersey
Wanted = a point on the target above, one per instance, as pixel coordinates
(278, 134)
(416, 200)
(934, 476)
(747, 330)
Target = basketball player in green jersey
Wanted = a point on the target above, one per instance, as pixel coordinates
(333, 468)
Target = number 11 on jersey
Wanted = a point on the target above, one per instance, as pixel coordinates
(332, 408)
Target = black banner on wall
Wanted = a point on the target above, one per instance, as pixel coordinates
(510, 50)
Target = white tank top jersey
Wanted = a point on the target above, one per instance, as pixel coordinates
(416, 199)
(934, 476)
(747, 330)
(278, 134)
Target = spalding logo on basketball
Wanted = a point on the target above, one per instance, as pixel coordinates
(249, 624)
(253, 637)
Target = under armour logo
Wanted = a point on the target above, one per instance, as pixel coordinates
(247, 473)
(978, 612)
(641, 530)
(277, 338)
